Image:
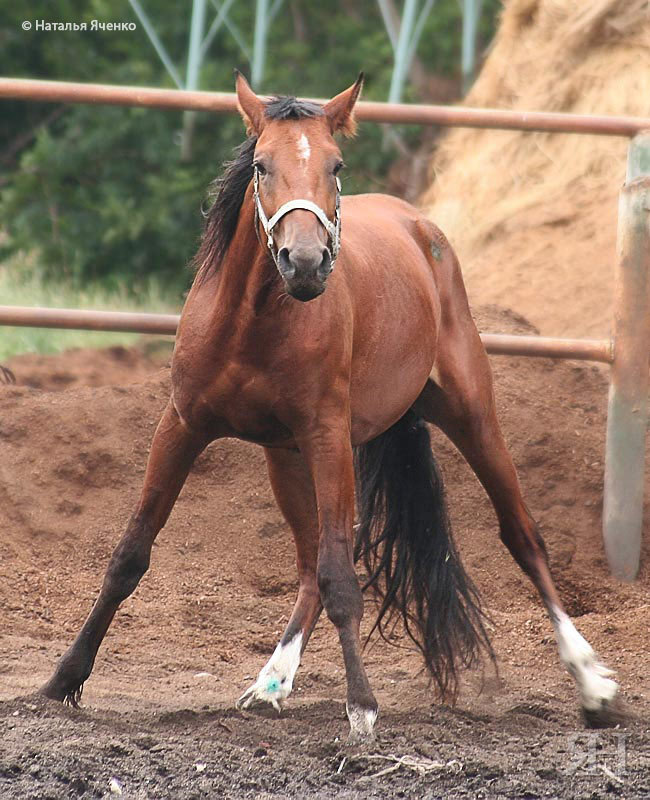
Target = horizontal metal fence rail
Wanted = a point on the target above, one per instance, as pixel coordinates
(404, 113)
(75, 319)
(86, 320)
(500, 344)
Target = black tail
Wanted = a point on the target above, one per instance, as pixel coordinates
(404, 540)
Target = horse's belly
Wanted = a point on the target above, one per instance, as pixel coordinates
(377, 405)
(393, 365)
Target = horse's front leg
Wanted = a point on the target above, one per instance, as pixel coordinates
(294, 491)
(172, 454)
(328, 451)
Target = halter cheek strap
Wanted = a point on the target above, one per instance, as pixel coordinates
(333, 228)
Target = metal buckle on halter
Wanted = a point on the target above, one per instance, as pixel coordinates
(333, 228)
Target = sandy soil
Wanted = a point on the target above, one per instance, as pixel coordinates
(158, 715)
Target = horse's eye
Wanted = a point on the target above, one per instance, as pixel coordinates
(338, 168)
(260, 168)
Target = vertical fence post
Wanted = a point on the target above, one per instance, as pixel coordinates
(628, 394)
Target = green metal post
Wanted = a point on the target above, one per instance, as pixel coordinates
(471, 17)
(401, 51)
(259, 42)
(217, 22)
(194, 56)
(628, 395)
(155, 41)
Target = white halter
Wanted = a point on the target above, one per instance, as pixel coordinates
(333, 228)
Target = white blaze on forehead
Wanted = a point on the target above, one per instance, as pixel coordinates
(304, 150)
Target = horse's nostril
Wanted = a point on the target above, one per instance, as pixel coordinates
(287, 269)
(325, 264)
(306, 261)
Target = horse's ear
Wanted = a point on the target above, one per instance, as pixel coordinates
(250, 106)
(340, 109)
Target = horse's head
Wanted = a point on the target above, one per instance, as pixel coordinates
(296, 188)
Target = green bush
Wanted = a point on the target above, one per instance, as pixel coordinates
(21, 285)
(102, 194)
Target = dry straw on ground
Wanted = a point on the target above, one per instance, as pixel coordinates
(533, 216)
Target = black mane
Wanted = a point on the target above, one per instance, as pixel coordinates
(227, 191)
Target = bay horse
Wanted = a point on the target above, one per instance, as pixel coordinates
(329, 331)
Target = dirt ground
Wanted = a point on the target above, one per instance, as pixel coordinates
(158, 718)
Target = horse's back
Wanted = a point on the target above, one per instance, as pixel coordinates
(376, 211)
(395, 231)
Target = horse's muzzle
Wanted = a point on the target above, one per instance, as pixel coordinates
(305, 271)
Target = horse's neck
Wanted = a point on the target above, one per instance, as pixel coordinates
(247, 274)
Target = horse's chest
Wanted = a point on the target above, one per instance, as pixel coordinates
(234, 401)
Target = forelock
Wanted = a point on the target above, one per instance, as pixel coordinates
(290, 108)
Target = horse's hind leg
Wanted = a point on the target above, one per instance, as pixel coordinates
(173, 451)
(459, 399)
(294, 492)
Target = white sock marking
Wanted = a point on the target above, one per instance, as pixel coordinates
(275, 681)
(304, 150)
(362, 722)
(594, 684)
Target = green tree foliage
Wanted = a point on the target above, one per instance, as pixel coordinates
(102, 193)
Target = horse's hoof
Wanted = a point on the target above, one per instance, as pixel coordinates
(6, 375)
(362, 725)
(52, 691)
(69, 697)
(264, 690)
(275, 681)
(609, 715)
(601, 706)
(598, 694)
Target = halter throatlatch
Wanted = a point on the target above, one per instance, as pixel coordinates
(333, 228)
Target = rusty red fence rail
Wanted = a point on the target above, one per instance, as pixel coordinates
(397, 113)
(166, 324)
(626, 352)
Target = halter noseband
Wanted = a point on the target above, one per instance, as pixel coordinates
(333, 228)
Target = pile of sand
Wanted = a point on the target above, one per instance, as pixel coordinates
(533, 216)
